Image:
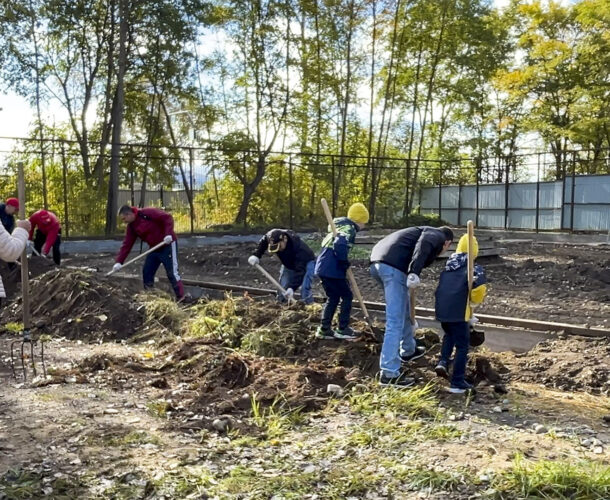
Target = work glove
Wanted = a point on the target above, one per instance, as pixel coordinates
(168, 239)
(253, 260)
(413, 280)
(414, 326)
(117, 266)
(473, 321)
(289, 294)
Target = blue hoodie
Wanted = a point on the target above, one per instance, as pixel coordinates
(332, 261)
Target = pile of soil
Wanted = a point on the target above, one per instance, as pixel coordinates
(79, 305)
(572, 364)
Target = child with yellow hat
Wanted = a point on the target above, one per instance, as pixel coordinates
(331, 267)
(453, 310)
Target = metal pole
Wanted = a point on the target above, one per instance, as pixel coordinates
(408, 162)
(573, 190)
(440, 190)
(332, 161)
(25, 288)
(506, 193)
(538, 196)
(459, 207)
(476, 201)
(563, 197)
(290, 194)
(192, 204)
(64, 168)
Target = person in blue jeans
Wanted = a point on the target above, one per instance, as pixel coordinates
(396, 263)
(298, 262)
(331, 267)
(454, 311)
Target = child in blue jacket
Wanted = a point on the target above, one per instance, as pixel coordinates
(331, 267)
(455, 314)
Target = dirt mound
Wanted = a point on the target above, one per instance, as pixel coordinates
(79, 305)
(573, 364)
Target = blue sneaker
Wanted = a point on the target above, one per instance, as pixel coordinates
(460, 388)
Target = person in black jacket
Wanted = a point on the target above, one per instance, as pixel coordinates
(298, 262)
(396, 263)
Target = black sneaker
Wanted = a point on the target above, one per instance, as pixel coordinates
(441, 369)
(400, 382)
(346, 334)
(419, 352)
(325, 334)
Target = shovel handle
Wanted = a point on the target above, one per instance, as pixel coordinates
(156, 247)
(349, 273)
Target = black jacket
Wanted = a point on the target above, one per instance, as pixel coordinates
(8, 221)
(295, 256)
(410, 250)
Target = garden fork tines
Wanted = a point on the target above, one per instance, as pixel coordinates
(25, 340)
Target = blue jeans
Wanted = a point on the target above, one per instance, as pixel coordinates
(457, 334)
(398, 339)
(336, 290)
(287, 276)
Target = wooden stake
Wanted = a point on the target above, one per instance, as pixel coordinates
(25, 285)
(349, 273)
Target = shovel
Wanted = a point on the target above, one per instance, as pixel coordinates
(156, 247)
(274, 282)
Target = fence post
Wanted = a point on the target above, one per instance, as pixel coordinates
(290, 193)
(563, 197)
(573, 190)
(131, 178)
(332, 161)
(440, 190)
(459, 207)
(476, 200)
(407, 197)
(538, 196)
(64, 168)
(506, 193)
(192, 204)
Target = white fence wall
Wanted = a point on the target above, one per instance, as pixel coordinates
(521, 205)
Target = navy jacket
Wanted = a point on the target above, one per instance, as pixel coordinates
(295, 256)
(451, 296)
(8, 221)
(409, 250)
(333, 259)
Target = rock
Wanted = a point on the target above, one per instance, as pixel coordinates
(111, 411)
(606, 418)
(539, 429)
(497, 409)
(223, 423)
(598, 450)
(335, 390)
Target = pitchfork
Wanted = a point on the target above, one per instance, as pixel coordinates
(27, 339)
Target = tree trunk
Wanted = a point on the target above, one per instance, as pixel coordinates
(250, 189)
(117, 123)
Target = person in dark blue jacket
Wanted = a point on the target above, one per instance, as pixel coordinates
(331, 267)
(396, 263)
(454, 311)
(7, 213)
(298, 262)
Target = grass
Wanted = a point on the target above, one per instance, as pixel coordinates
(135, 438)
(162, 310)
(557, 480)
(277, 419)
(158, 408)
(13, 327)
(416, 402)
(20, 484)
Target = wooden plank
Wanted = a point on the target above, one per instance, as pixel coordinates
(25, 287)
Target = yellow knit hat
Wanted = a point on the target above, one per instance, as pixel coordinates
(358, 213)
(462, 246)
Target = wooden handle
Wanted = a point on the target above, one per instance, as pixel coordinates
(349, 273)
(159, 245)
(271, 278)
(25, 286)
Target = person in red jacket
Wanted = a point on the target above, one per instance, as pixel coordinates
(153, 226)
(48, 234)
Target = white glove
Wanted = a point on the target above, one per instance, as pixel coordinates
(168, 239)
(413, 280)
(28, 243)
(117, 266)
(414, 326)
(289, 294)
(473, 321)
(253, 260)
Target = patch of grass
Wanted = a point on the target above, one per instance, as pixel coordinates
(557, 480)
(285, 483)
(418, 478)
(158, 408)
(135, 438)
(184, 485)
(277, 419)
(20, 484)
(162, 310)
(416, 402)
(217, 319)
(13, 327)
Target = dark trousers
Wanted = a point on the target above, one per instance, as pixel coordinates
(336, 290)
(457, 334)
(168, 256)
(39, 240)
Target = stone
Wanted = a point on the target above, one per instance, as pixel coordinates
(335, 390)
(540, 429)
